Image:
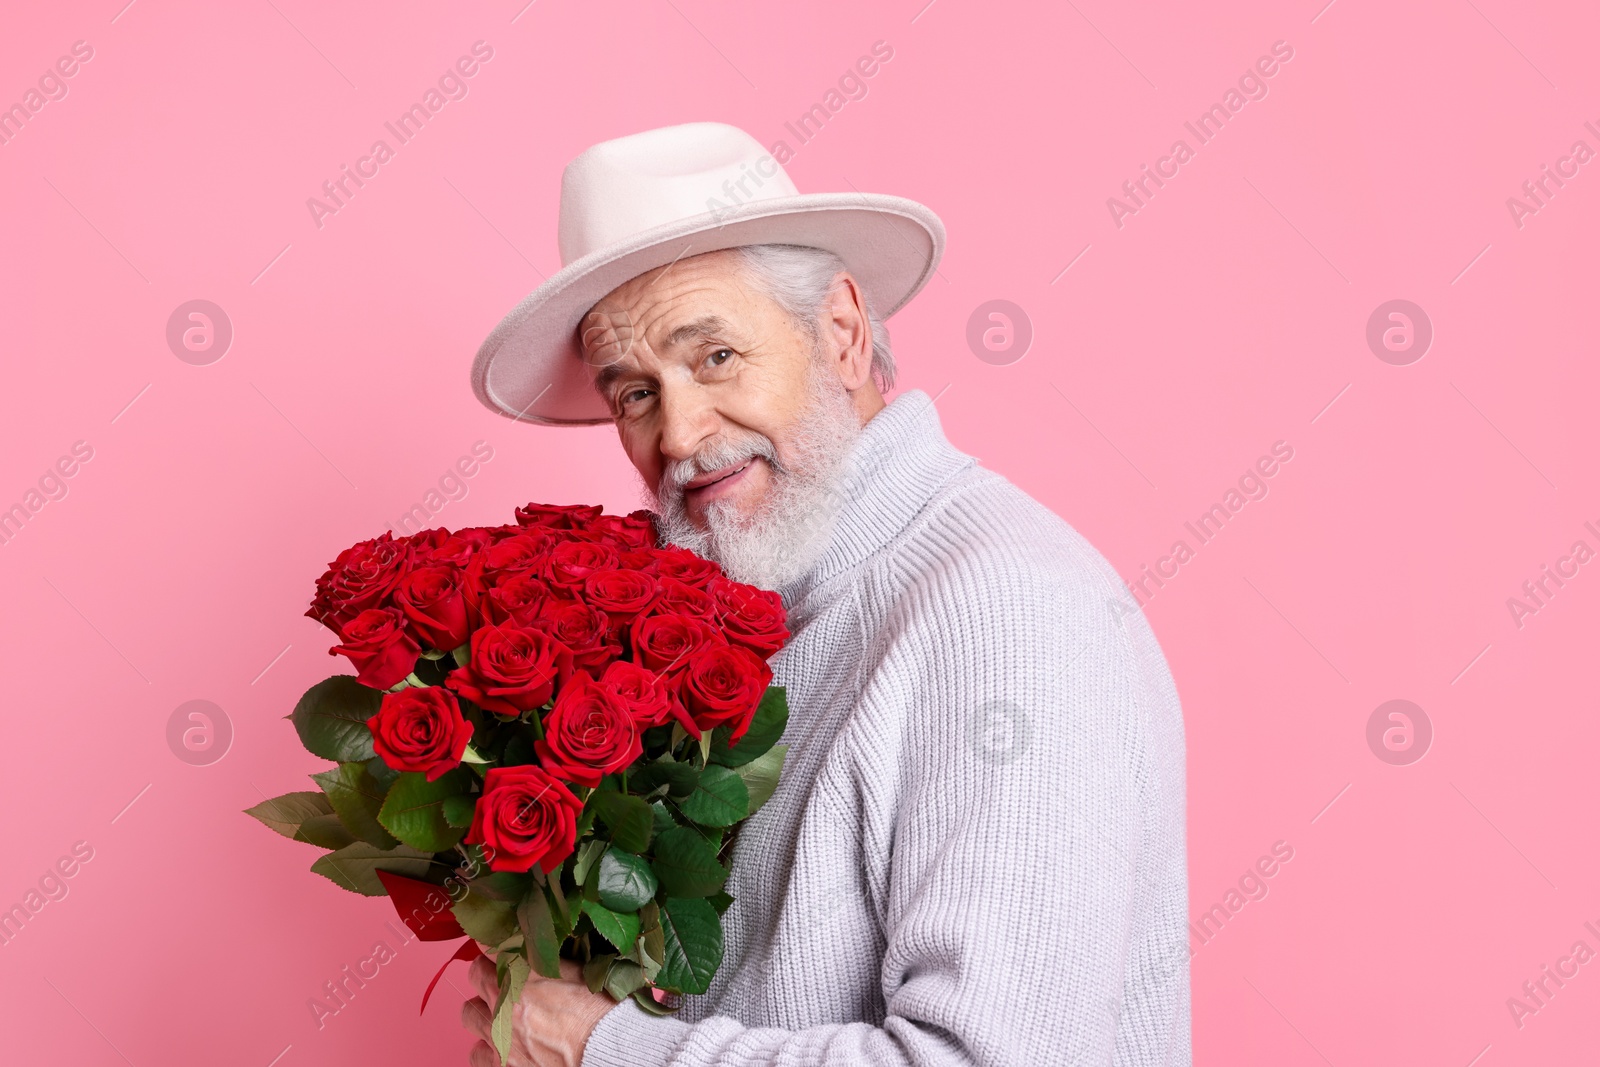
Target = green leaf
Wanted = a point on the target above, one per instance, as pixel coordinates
(539, 931)
(284, 814)
(588, 853)
(331, 718)
(458, 810)
(652, 946)
(357, 797)
(353, 866)
(721, 901)
(594, 972)
(761, 775)
(624, 977)
(619, 928)
(686, 864)
(471, 756)
(511, 984)
(662, 816)
(628, 817)
(626, 882)
(772, 715)
(484, 918)
(679, 778)
(692, 934)
(324, 831)
(414, 810)
(719, 799)
(648, 1005)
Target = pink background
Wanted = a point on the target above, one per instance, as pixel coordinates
(1228, 313)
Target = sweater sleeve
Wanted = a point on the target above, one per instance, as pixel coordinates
(1027, 882)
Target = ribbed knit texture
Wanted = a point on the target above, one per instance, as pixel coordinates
(975, 854)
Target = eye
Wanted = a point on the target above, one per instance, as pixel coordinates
(628, 398)
(719, 357)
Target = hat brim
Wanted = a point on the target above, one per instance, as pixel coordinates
(530, 368)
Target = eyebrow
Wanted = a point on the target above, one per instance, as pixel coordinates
(704, 326)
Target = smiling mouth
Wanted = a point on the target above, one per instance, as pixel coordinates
(706, 481)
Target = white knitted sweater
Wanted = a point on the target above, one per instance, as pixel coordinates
(976, 851)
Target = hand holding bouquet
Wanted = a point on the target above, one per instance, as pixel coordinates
(552, 731)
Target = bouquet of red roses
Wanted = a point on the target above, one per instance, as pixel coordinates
(552, 730)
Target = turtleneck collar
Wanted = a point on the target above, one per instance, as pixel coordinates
(895, 467)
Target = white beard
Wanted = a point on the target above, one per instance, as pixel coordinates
(793, 525)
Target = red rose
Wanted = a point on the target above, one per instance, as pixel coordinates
(681, 598)
(647, 696)
(379, 647)
(751, 617)
(455, 550)
(571, 562)
(431, 598)
(621, 594)
(513, 669)
(723, 685)
(589, 733)
(583, 630)
(420, 730)
(664, 642)
(524, 817)
(685, 566)
(639, 559)
(362, 576)
(520, 599)
(626, 531)
(523, 552)
(558, 516)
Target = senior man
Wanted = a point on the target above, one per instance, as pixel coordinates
(975, 854)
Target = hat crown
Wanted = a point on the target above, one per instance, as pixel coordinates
(623, 187)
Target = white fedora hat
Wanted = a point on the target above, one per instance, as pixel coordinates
(640, 202)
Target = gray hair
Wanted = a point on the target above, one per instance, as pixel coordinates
(799, 278)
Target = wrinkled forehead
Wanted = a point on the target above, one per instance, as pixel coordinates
(663, 308)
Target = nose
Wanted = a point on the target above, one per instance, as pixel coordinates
(688, 420)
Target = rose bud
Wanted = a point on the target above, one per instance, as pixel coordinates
(570, 562)
(431, 598)
(685, 566)
(420, 730)
(751, 617)
(558, 516)
(524, 817)
(589, 733)
(379, 647)
(512, 669)
(626, 531)
(681, 598)
(524, 551)
(519, 599)
(369, 575)
(583, 630)
(723, 686)
(664, 642)
(621, 594)
(648, 696)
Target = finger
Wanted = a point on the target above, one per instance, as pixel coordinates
(475, 1017)
(481, 975)
(483, 1055)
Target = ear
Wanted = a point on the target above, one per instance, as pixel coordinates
(847, 332)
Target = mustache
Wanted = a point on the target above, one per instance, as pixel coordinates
(722, 451)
